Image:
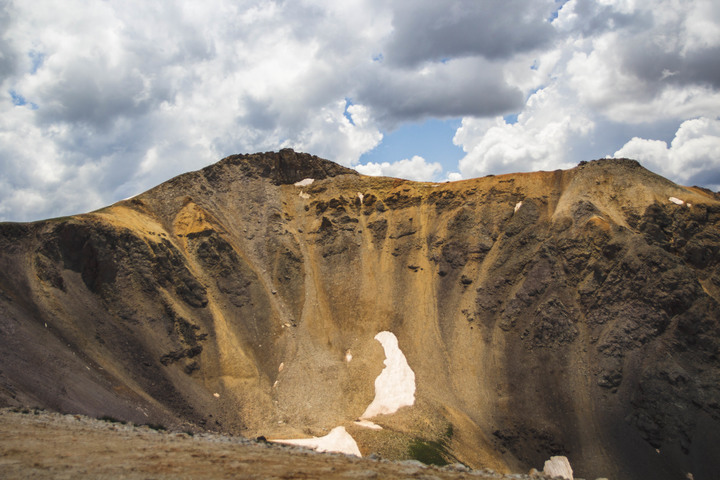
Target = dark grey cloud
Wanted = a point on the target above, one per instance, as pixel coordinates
(709, 176)
(93, 93)
(429, 30)
(8, 55)
(466, 87)
(658, 67)
(133, 69)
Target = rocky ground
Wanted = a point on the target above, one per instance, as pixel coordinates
(39, 444)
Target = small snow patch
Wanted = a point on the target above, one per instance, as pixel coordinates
(282, 365)
(348, 356)
(338, 440)
(361, 196)
(395, 386)
(305, 182)
(216, 395)
(303, 195)
(368, 424)
(517, 206)
(676, 201)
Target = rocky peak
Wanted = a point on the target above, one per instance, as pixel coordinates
(284, 167)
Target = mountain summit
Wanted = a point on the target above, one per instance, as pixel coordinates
(495, 321)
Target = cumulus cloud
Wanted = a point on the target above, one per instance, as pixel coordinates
(454, 176)
(415, 168)
(691, 158)
(542, 138)
(341, 132)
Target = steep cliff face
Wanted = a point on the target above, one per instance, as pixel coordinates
(553, 313)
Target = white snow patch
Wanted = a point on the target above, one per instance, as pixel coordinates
(282, 365)
(216, 395)
(517, 206)
(304, 195)
(361, 196)
(348, 356)
(305, 182)
(395, 386)
(338, 440)
(368, 424)
(676, 201)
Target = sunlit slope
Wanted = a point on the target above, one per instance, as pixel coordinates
(569, 312)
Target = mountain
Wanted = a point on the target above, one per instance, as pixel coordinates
(566, 313)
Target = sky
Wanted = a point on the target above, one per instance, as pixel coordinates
(101, 100)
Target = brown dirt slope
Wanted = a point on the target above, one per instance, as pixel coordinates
(568, 312)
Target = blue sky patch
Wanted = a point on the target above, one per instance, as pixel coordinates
(348, 103)
(20, 101)
(38, 58)
(511, 119)
(431, 139)
(554, 14)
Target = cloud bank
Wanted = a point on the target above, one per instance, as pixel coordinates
(100, 100)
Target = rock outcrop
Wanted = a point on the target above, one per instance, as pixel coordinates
(568, 313)
(558, 467)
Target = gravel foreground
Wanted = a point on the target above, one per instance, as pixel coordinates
(42, 445)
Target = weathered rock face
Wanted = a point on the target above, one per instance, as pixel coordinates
(565, 313)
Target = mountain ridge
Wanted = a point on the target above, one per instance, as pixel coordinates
(566, 312)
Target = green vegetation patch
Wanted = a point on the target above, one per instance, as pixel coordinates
(432, 452)
(428, 452)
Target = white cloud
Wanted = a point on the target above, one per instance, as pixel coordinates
(415, 168)
(331, 134)
(542, 138)
(692, 157)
